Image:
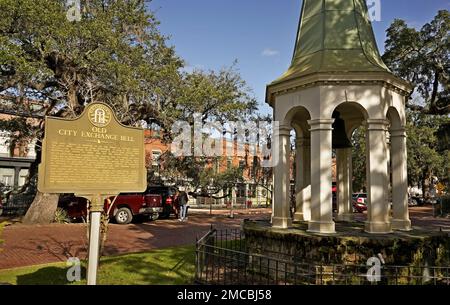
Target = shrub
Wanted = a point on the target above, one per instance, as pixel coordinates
(445, 201)
(61, 216)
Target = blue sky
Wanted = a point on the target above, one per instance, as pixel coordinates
(260, 34)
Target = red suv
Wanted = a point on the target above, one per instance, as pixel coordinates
(125, 208)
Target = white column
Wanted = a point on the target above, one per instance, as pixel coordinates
(96, 210)
(378, 220)
(343, 185)
(350, 181)
(400, 219)
(321, 177)
(303, 180)
(281, 200)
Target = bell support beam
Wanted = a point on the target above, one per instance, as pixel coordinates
(321, 178)
(343, 164)
(281, 217)
(377, 180)
(303, 179)
(400, 219)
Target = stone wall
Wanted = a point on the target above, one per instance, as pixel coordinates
(353, 247)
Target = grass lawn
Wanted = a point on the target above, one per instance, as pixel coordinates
(2, 225)
(170, 266)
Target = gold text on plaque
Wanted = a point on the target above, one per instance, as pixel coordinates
(92, 154)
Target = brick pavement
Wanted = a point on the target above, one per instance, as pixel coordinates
(40, 244)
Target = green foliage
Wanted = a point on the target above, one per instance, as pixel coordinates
(359, 159)
(424, 156)
(445, 201)
(220, 96)
(61, 216)
(116, 55)
(202, 173)
(422, 57)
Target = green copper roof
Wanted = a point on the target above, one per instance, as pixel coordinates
(334, 36)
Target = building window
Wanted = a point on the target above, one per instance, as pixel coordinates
(242, 164)
(241, 191)
(32, 149)
(23, 175)
(7, 180)
(7, 176)
(252, 190)
(156, 154)
(217, 166)
(4, 144)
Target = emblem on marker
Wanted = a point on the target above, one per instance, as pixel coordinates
(99, 115)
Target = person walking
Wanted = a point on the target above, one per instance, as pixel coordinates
(183, 203)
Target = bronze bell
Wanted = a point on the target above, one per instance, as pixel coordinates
(340, 139)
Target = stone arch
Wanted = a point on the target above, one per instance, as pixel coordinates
(289, 105)
(397, 169)
(296, 117)
(354, 115)
(395, 121)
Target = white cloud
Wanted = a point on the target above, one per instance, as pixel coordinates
(192, 68)
(269, 52)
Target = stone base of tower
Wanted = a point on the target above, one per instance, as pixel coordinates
(351, 247)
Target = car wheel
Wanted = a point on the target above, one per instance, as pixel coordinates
(154, 217)
(123, 216)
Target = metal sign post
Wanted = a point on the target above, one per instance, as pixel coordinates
(94, 247)
(96, 210)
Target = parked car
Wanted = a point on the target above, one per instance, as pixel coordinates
(168, 199)
(359, 202)
(126, 207)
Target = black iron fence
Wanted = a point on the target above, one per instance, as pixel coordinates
(17, 204)
(223, 258)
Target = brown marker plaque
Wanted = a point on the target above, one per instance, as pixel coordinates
(93, 154)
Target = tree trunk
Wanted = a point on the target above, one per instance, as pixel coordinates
(42, 209)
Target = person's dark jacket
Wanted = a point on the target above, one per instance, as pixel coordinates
(183, 198)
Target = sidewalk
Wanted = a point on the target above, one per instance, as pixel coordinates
(40, 244)
(226, 212)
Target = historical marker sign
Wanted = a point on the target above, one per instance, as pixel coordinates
(93, 154)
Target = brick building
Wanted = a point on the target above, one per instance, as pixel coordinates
(247, 191)
(16, 157)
